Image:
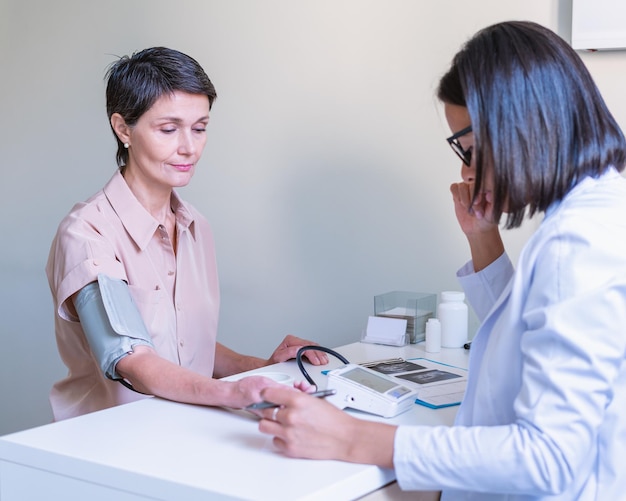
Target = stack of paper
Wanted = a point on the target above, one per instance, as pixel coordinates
(415, 320)
(380, 330)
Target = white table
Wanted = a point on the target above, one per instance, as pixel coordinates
(156, 449)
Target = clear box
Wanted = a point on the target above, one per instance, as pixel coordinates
(415, 307)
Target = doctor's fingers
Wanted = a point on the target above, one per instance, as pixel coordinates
(281, 395)
(462, 194)
(293, 431)
(283, 437)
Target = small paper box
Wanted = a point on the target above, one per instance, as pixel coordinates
(415, 307)
(381, 330)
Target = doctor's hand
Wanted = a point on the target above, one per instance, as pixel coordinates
(309, 427)
(476, 221)
(289, 348)
(473, 218)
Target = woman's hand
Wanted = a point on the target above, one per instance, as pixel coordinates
(473, 218)
(476, 221)
(248, 390)
(289, 348)
(229, 362)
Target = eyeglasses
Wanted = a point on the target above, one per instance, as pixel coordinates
(455, 144)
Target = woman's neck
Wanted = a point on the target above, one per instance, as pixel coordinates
(156, 199)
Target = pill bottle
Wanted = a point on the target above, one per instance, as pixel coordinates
(433, 335)
(453, 315)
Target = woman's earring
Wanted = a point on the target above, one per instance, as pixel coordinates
(126, 145)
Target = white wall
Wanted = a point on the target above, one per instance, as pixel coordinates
(325, 175)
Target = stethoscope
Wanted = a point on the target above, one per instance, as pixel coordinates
(316, 348)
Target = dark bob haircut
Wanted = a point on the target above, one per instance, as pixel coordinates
(537, 116)
(135, 83)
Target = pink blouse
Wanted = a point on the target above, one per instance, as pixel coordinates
(177, 294)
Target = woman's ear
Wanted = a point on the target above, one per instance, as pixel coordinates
(121, 129)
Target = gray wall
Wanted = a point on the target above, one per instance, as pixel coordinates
(325, 175)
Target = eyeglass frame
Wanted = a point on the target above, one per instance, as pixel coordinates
(464, 154)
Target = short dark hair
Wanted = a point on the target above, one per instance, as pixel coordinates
(135, 83)
(537, 116)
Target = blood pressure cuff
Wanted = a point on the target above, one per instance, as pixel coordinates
(111, 322)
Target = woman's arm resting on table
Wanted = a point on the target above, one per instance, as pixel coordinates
(123, 348)
(228, 362)
(152, 374)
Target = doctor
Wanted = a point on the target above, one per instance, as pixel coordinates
(543, 414)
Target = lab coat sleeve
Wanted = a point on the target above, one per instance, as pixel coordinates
(482, 289)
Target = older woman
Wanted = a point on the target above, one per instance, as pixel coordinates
(132, 270)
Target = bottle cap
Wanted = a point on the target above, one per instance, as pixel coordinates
(452, 296)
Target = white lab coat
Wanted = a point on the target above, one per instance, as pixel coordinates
(544, 414)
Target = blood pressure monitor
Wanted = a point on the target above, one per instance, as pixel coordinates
(366, 390)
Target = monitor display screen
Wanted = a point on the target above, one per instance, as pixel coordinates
(366, 378)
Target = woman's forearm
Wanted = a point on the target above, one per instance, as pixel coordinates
(485, 248)
(151, 374)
